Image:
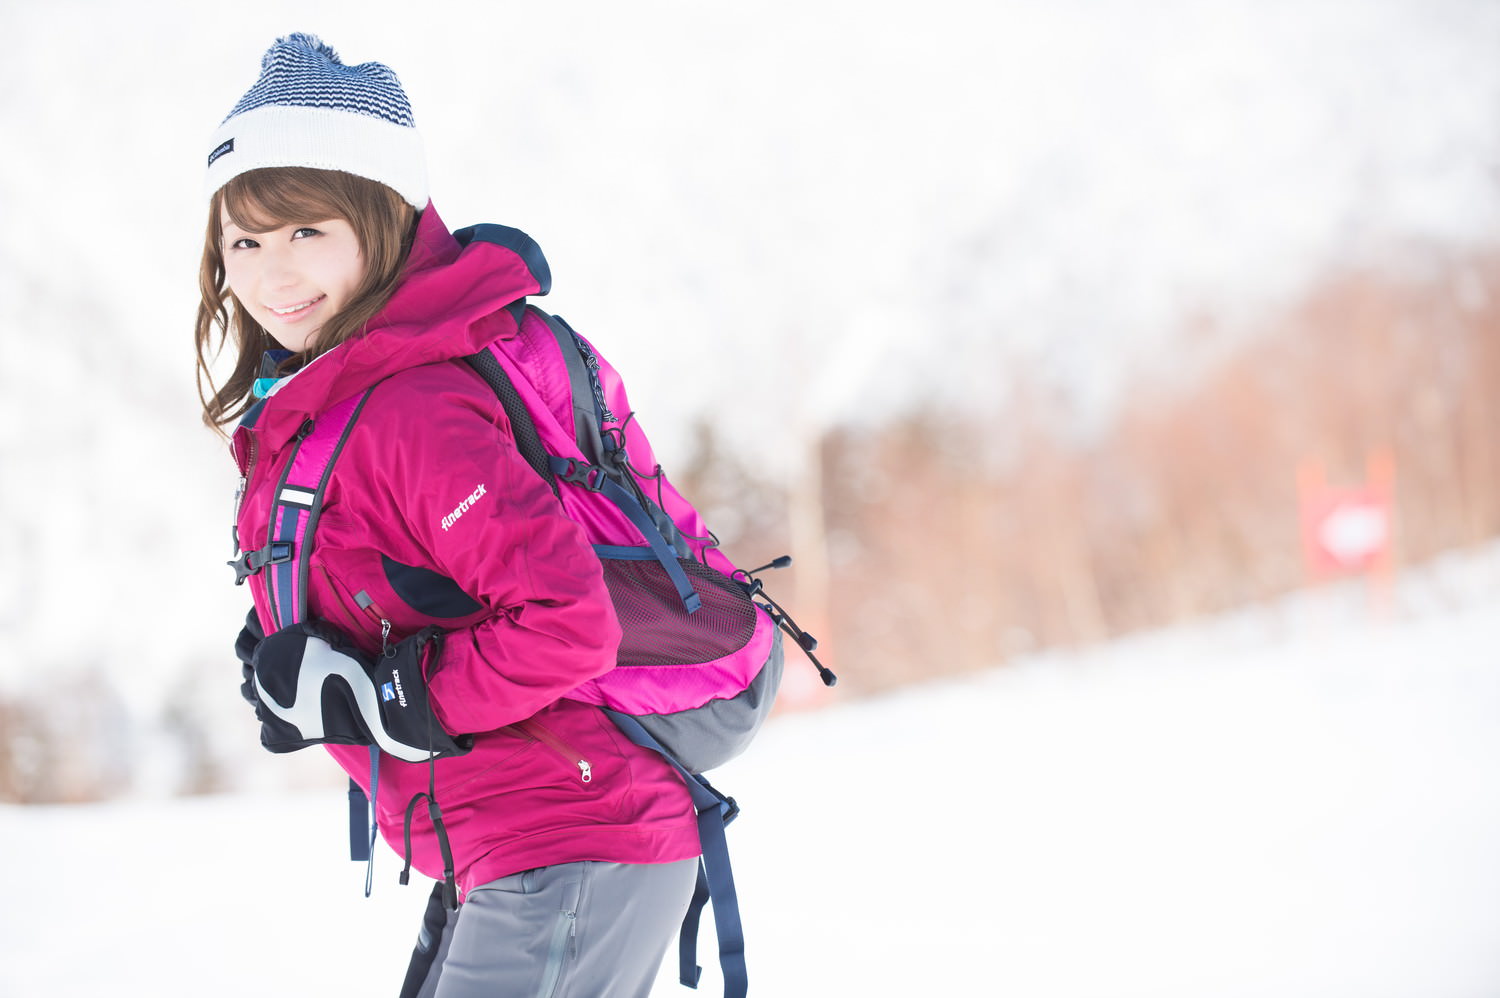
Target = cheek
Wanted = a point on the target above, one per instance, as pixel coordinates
(238, 276)
(348, 276)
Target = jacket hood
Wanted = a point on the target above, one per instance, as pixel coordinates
(450, 303)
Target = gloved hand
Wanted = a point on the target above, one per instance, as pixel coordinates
(313, 686)
(244, 650)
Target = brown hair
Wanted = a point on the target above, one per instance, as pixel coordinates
(260, 201)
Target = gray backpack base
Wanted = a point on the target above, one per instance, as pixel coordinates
(709, 736)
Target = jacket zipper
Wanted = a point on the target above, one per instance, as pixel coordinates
(234, 524)
(239, 492)
(367, 603)
(535, 729)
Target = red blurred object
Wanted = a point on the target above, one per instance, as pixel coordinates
(1349, 530)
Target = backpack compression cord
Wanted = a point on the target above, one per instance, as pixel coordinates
(805, 641)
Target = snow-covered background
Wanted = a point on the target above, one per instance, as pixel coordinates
(818, 210)
(1298, 801)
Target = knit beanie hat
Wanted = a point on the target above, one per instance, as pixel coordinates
(309, 109)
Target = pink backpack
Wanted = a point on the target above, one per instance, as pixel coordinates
(700, 659)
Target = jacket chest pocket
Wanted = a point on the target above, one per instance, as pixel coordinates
(356, 611)
(384, 600)
(576, 762)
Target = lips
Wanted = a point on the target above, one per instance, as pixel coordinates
(292, 311)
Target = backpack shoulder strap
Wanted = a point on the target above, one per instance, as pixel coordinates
(591, 476)
(588, 398)
(295, 508)
(715, 875)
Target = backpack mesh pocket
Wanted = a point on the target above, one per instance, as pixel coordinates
(657, 628)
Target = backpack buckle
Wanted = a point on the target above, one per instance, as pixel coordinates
(247, 564)
(590, 476)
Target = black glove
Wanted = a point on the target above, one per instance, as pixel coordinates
(244, 650)
(315, 687)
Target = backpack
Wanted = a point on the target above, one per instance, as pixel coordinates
(700, 659)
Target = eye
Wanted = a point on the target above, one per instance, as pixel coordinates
(245, 243)
(305, 232)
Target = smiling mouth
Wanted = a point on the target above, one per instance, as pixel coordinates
(294, 309)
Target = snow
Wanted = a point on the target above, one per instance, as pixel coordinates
(1296, 801)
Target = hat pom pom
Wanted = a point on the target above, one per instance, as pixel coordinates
(304, 41)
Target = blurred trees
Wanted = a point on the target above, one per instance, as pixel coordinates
(943, 559)
(66, 747)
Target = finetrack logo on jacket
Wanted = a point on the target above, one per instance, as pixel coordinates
(463, 507)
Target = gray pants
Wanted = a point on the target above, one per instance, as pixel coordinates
(576, 930)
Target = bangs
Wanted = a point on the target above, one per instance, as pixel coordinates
(264, 200)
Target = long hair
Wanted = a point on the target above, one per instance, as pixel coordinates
(262, 201)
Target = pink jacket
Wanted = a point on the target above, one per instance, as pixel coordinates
(431, 516)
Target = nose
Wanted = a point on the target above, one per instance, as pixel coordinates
(278, 267)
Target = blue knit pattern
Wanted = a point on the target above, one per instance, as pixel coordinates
(301, 71)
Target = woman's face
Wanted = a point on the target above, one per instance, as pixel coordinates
(293, 279)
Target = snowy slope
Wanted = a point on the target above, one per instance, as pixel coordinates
(1295, 802)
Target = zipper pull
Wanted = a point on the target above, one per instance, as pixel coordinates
(539, 733)
(366, 602)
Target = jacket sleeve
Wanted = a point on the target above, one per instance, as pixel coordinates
(492, 525)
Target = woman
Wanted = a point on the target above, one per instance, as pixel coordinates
(573, 850)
